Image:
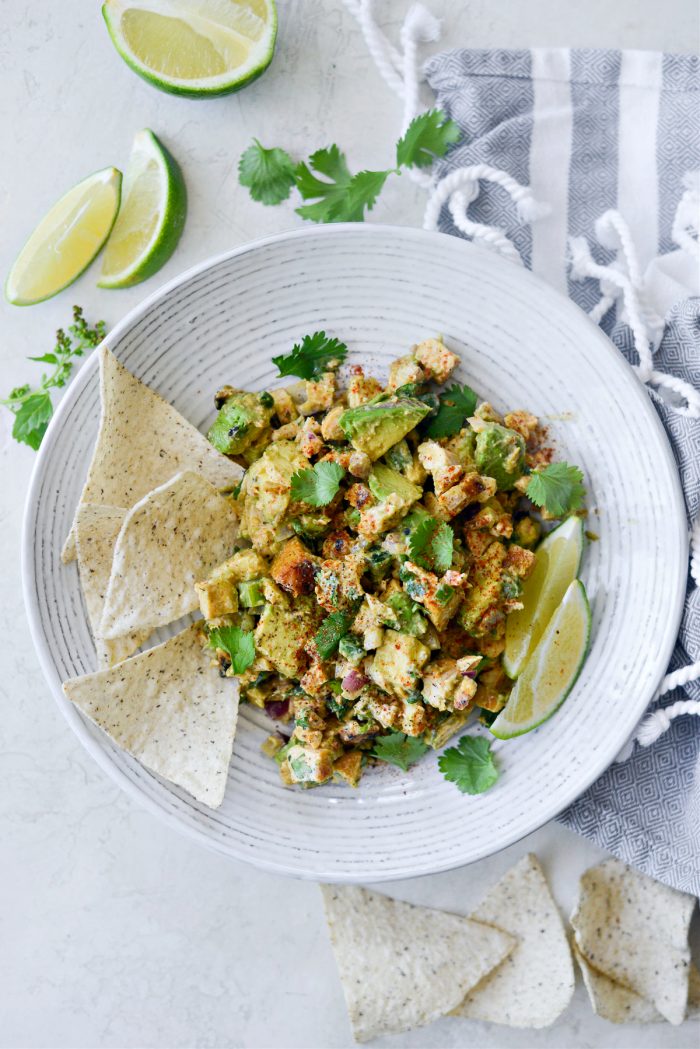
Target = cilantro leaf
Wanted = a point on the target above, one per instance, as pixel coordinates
(469, 765)
(558, 488)
(318, 485)
(430, 545)
(399, 749)
(238, 644)
(456, 405)
(267, 173)
(33, 408)
(339, 196)
(426, 137)
(312, 356)
(329, 634)
(32, 419)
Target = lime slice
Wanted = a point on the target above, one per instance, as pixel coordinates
(151, 218)
(66, 240)
(558, 560)
(552, 669)
(196, 48)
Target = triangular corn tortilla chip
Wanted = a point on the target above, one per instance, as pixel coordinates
(170, 709)
(613, 1002)
(142, 442)
(403, 966)
(96, 531)
(617, 1004)
(635, 931)
(535, 983)
(173, 537)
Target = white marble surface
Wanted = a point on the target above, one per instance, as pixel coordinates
(115, 931)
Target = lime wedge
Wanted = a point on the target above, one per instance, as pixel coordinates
(551, 670)
(151, 218)
(557, 564)
(66, 240)
(196, 48)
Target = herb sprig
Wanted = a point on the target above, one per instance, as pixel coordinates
(238, 644)
(399, 749)
(318, 485)
(469, 765)
(33, 407)
(310, 357)
(558, 488)
(457, 403)
(325, 180)
(430, 545)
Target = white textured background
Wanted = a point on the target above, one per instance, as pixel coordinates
(114, 931)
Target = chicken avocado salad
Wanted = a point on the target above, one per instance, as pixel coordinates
(387, 534)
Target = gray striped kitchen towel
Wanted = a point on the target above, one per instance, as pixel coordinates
(588, 131)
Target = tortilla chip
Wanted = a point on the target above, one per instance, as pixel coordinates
(96, 531)
(142, 442)
(170, 709)
(617, 1004)
(613, 1002)
(535, 983)
(634, 930)
(403, 966)
(174, 536)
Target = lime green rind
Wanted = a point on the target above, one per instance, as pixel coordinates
(506, 733)
(170, 228)
(171, 88)
(116, 173)
(513, 669)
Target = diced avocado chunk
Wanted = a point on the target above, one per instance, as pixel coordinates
(397, 664)
(241, 420)
(446, 728)
(500, 453)
(280, 636)
(383, 481)
(266, 491)
(311, 526)
(217, 594)
(485, 589)
(352, 649)
(410, 619)
(374, 427)
(250, 593)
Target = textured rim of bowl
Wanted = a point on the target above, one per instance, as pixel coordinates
(91, 744)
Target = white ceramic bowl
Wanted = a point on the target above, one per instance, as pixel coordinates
(381, 289)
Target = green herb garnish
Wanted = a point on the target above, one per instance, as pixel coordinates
(399, 749)
(267, 173)
(312, 356)
(456, 405)
(33, 408)
(558, 488)
(430, 545)
(469, 765)
(332, 629)
(318, 485)
(238, 644)
(336, 194)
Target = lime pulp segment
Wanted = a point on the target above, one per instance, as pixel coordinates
(551, 670)
(66, 240)
(558, 558)
(151, 218)
(194, 48)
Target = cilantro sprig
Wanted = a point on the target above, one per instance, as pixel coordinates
(312, 356)
(238, 644)
(430, 545)
(469, 765)
(318, 485)
(399, 749)
(328, 636)
(456, 405)
(325, 181)
(558, 488)
(267, 173)
(33, 407)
